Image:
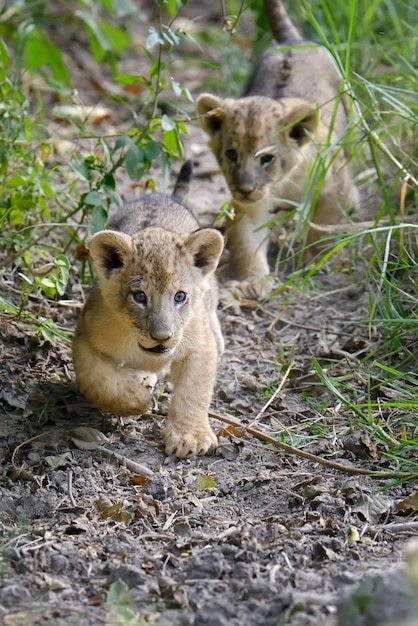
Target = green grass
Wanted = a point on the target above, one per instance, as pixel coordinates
(50, 203)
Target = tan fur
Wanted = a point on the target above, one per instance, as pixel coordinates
(267, 145)
(137, 322)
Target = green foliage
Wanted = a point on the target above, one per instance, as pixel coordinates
(46, 213)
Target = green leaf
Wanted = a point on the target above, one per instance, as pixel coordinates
(112, 195)
(152, 150)
(4, 55)
(154, 38)
(99, 218)
(122, 141)
(134, 160)
(119, 593)
(94, 27)
(83, 171)
(127, 79)
(40, 52)
(173, 144)
(109, 181)
(167, 123)
(93, 198)
(117, 38)
(16, 181)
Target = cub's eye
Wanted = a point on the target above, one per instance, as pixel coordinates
(266, 158)
(231, 155)
(180, 297)
(140, 297)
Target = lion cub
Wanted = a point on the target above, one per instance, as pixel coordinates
(154, 307)
(272, 143)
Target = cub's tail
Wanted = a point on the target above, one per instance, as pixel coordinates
(281, 25)
(182, 186)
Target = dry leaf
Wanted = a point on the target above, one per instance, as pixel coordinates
(233, 431)
(58, 460)
(409, 503)
(372, 507)
(203, 481)
(86, 438)
(323, 553)
(80, 113)
(111, 510)
(147, 506)
(229, 450)
(19, 473)
(102, 503)
(54, 584)
(139, 479)
(23, 618)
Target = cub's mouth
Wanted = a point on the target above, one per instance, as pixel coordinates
(160, 349)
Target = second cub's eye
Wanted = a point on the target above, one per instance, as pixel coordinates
(140, 297)
(231, 155)
(180, 297)
(266, 158)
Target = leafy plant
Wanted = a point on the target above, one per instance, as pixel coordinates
(45, 214)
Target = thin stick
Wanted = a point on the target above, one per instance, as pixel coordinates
(24, 443)
(277, 391)
(70, 488)
(399, 527)
(307, 455)
(133, 466)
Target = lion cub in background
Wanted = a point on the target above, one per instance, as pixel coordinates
(272, 143)
(153, 307)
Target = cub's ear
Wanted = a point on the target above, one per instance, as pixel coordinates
(301, 123)
(109, 251)
(211, 114)
(206, 247)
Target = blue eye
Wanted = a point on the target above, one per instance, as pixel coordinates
(180, 297)
(139, 297)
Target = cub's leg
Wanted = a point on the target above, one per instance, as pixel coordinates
(187, 431)
(120, 390)
(248, 238)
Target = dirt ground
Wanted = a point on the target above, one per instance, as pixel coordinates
(248, 535)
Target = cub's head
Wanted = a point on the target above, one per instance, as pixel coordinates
(256, 140)
(155, 281)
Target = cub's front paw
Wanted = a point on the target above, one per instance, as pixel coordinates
(185, 444)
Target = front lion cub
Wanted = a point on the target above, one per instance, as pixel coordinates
(153, 307)
(274, 143)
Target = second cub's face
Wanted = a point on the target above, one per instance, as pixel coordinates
(256, 140)
(153, 281)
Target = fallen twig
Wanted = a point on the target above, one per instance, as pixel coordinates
(24, 443)
(307, 455)
(397, 527)
(132, 466)
(271, 399)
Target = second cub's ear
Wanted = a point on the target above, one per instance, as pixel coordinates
(206, 247)
(109, 251)
(209, 109)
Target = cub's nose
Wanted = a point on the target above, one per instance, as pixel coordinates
(161, 335)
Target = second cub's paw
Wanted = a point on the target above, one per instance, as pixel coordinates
(186, 444)
(251, 288)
